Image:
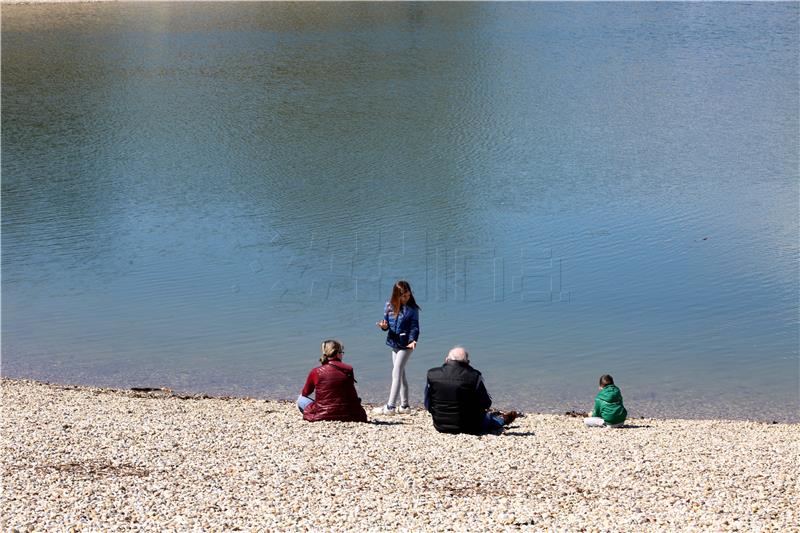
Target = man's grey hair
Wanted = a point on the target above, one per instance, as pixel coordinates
(458, 353)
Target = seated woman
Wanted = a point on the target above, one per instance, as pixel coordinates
(334, 386)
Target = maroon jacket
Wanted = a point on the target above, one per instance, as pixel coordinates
(336, 397)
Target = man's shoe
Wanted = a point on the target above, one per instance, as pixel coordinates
(383, 410)
(404, 410)
(509, 417)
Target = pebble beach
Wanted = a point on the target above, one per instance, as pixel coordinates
(81, 458)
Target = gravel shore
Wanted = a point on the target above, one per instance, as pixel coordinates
(96, 459)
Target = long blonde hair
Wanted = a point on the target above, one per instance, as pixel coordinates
(330, 349)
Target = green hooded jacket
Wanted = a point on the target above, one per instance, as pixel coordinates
(608, 405)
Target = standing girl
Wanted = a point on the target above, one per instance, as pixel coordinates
(401, 322)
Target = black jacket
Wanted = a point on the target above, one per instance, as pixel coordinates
(456, 398)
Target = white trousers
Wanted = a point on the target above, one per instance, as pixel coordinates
(596, 421)
(399, 381)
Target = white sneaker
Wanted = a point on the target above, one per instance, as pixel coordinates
(383, 410)
(403, 410)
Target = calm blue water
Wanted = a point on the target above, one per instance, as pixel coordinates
(195, 195)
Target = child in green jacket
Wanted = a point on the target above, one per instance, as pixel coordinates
(608, 409)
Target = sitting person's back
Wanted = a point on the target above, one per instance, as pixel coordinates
(608, 408)
(333, 385)
(457, 398)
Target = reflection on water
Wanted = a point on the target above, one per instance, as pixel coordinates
(194, 195)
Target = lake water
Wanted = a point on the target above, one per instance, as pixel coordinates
(195, 195)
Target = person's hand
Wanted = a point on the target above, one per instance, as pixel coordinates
(412, 345)
(383, 324)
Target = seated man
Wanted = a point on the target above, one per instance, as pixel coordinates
(457, 398)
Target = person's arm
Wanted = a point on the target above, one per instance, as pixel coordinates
(597, 408)
(427, 398)
(311, 383)
(384, 324)
(484, 400)
(413, 330)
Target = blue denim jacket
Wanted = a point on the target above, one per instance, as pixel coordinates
(403, 328)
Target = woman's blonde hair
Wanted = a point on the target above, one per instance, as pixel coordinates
(330, 349)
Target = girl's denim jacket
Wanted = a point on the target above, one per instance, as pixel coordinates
(403, 328)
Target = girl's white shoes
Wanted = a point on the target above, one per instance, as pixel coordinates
(384, 410)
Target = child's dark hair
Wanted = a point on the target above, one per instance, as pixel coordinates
(605, 379)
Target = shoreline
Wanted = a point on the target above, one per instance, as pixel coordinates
(149, 460)
(770, 414)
